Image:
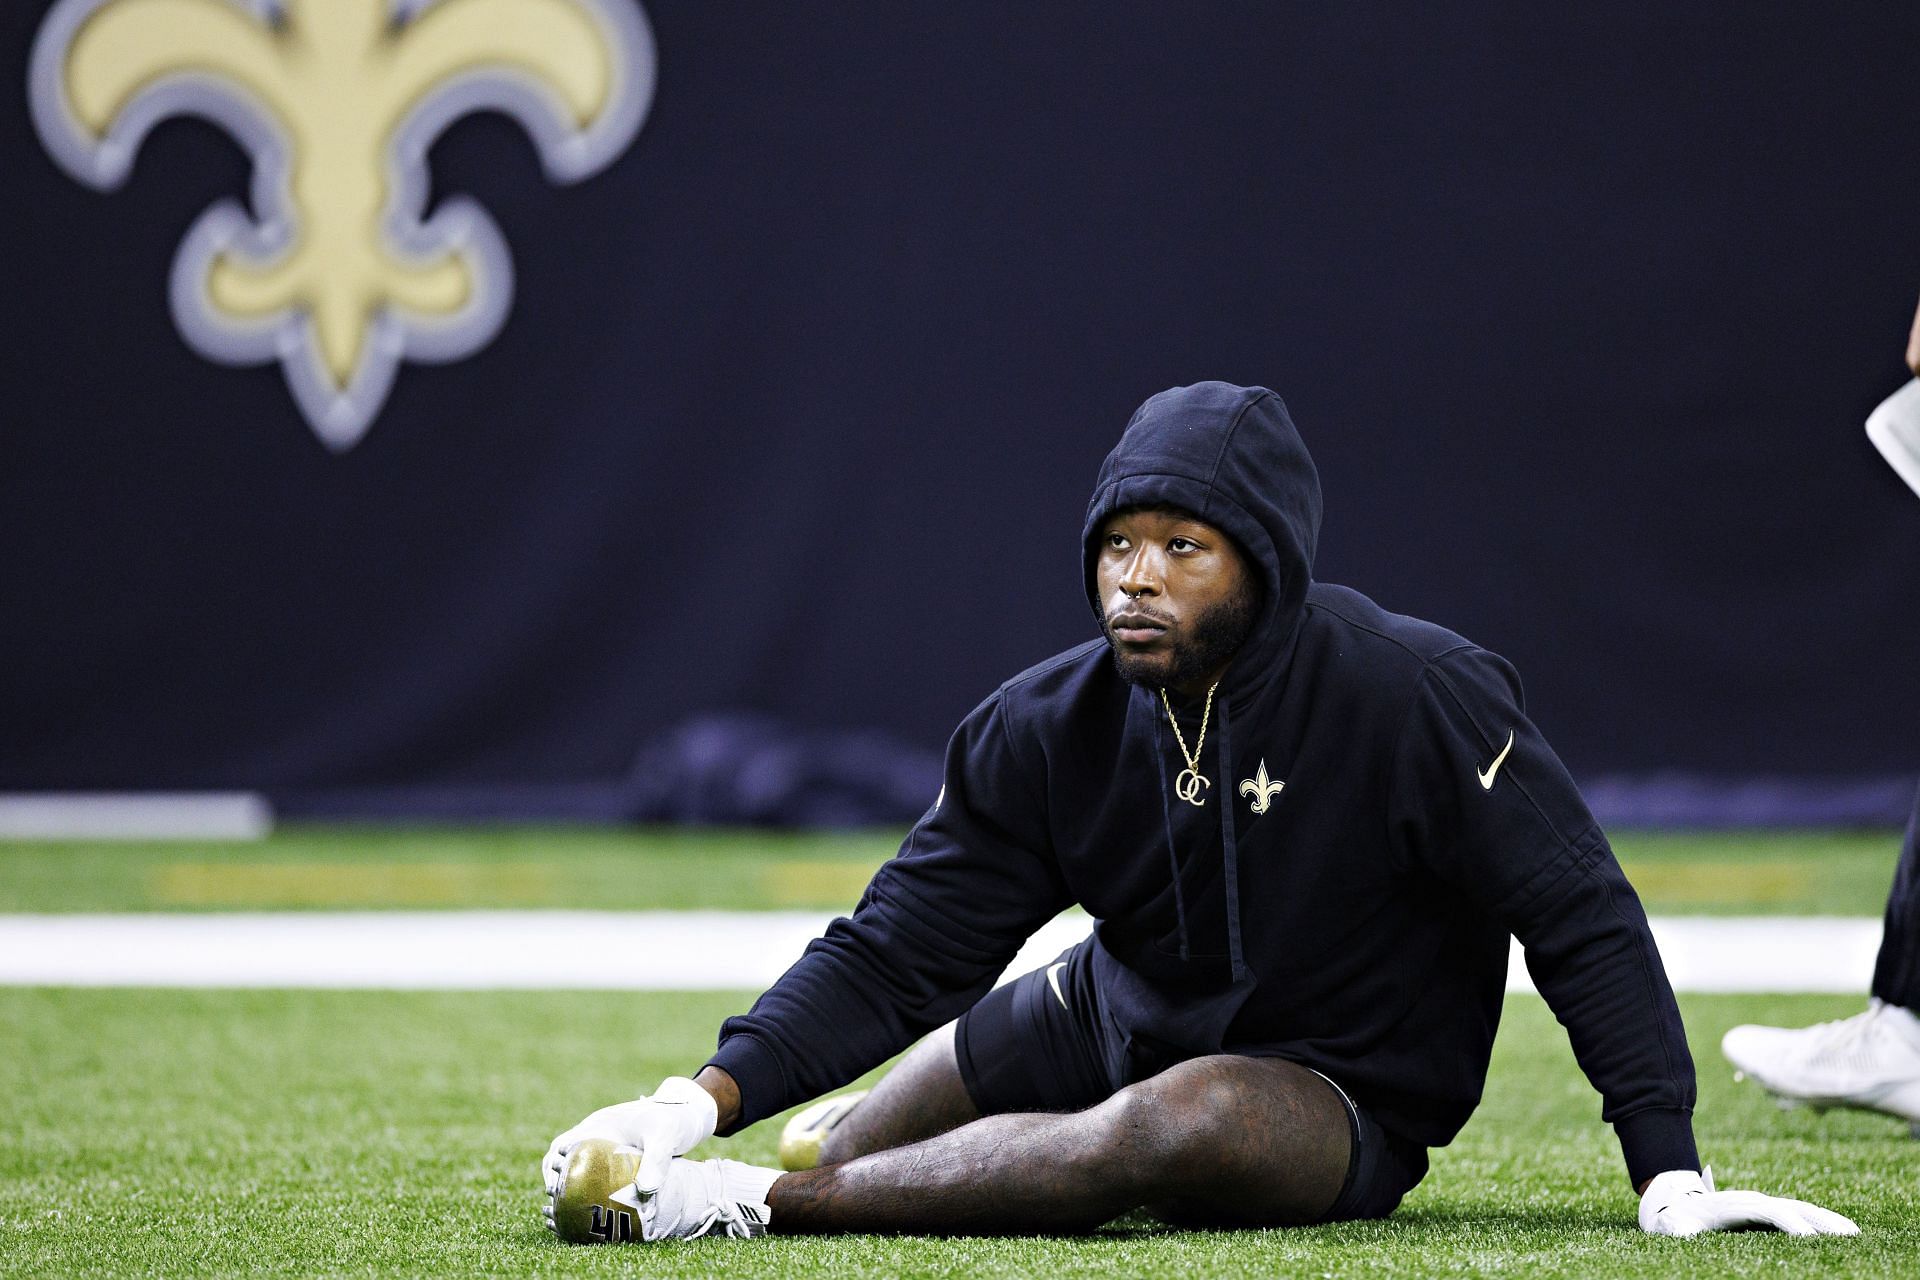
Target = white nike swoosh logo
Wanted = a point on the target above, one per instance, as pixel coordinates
(1486, 777)
(1053, 980)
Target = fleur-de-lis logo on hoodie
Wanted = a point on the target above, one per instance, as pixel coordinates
(339, 271)
(1260, 790)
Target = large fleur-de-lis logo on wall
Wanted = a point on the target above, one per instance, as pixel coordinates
(340, 271)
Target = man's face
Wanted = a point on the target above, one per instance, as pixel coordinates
(1177, 597)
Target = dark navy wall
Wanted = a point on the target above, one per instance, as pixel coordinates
(1579, 307)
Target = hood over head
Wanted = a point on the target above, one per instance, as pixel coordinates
(1231, 456)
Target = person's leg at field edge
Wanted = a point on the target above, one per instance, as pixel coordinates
(1872, 1059)
(1896, 973)
(1219, 1140)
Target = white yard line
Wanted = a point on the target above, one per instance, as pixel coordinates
(706, 950)
(1759, 953)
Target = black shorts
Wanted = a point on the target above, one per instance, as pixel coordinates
(1043, 1043)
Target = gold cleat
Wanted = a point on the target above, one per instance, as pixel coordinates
(596, 1203)
(800, 1140)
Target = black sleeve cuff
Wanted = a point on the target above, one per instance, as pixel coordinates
(762, 1080)
(1655, 1141)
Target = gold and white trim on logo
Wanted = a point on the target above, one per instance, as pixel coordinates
(1261, 790)
(340, 271)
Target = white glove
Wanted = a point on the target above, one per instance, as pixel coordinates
(669, 1122)
(1681, 1202)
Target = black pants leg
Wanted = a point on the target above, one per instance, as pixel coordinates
(1896, 976)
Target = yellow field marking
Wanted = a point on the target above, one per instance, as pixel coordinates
(820, 882)
(344, 884)
(1728, 883)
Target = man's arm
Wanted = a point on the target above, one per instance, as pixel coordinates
(937, 924)
(1518, 839)
(726, 1097)
(1482, 800)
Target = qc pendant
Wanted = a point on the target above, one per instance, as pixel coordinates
(1189, 785)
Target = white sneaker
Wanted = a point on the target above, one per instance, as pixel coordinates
(707, 1197)
(1870, 1061)
(803, 1136)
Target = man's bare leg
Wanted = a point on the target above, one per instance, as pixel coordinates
(1223, 1141)
(921, 1097)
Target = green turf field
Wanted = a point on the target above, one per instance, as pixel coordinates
(326, 1133)
(339, 868)
(375, 1134)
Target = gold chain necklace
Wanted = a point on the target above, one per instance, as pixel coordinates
(1191, 781)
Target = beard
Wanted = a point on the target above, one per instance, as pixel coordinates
(1217, 635)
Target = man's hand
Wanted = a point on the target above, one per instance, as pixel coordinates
(1684, 1203)
(669, 1122)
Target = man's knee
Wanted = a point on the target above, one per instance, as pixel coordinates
(1190, 1109)
(1246, 1140)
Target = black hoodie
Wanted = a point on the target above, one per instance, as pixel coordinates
(1355, 921)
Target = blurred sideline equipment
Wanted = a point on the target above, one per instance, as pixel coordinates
(135, 815)
(1894, 428)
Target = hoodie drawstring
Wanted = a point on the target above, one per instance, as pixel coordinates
(1166, 818)
(1227, 842)
(1229, 845)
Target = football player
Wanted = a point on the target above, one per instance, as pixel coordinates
(1871, 1060)
(1305, 827)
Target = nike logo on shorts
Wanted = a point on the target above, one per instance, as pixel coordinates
(1053, 980)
